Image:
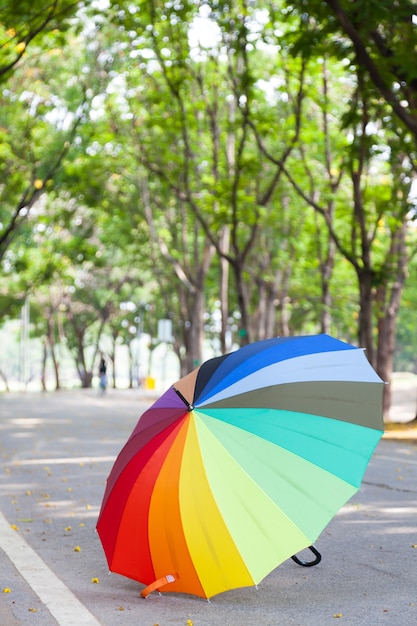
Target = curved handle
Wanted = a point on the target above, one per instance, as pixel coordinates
(316, 561)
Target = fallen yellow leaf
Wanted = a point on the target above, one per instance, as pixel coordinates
(33, 610)
(7, 590)
(68, 528)
(14, 527)
(338, 615)
(28, 492)
(95, 580)
(77, 549)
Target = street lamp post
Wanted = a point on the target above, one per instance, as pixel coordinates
(24, 344)
(139, 329)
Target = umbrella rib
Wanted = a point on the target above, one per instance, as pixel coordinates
(189, 406)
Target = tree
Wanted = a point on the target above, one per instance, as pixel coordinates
(405, 355)
(231, 171)
(39, 119)
(376, 37)
(24, 23)
(199, 106)
(43, 105)
(372, 235)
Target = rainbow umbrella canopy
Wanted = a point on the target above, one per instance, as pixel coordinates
(241, 464)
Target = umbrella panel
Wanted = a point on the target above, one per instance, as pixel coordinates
(214, 502)
(218, 496)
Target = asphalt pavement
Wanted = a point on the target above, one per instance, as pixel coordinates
(56, 451)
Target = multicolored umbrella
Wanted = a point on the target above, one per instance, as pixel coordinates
(241, 464)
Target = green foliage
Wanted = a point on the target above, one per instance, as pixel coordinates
(374, 37)
(24, 23)
(137, 155)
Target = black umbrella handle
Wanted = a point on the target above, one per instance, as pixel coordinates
(316, 561)
(187, 404)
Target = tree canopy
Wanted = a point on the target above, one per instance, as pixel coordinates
(244, 170)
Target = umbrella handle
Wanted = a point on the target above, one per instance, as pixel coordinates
(189, 406)
(316, 561)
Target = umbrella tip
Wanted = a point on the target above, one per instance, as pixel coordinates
(169, 578)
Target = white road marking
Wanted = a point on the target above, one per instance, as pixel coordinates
(59, 600)
(62, 460)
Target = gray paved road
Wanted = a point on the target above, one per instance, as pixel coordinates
(55, 454)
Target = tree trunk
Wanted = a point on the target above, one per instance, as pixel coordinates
(327, 265)
(365, 327)
(389, 300)
(385, 354)
(112, 357)
(44, 359)
(56, 367)
(194, 333)
(245, 335)
(51, 343)
(4, 379)
(131, 364)
(224, 288)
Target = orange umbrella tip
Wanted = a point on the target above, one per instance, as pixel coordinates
(165, 580)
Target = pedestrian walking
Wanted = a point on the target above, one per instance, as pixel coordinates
(103, 375)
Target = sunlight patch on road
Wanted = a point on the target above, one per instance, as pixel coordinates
(36, 421)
